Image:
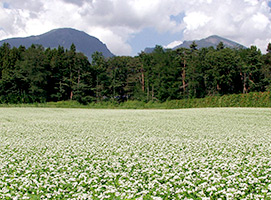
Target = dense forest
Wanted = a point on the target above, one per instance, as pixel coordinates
(37, 74)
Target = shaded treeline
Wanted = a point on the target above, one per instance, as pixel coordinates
(37, 74)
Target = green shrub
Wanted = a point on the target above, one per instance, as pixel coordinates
(254, 99)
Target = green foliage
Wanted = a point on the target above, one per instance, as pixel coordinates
(37, 75)
(253, 99)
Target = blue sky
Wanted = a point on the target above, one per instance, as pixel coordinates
(149, 37)
(129, 26)
(5, 5)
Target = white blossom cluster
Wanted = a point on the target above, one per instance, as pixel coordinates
(215, 153)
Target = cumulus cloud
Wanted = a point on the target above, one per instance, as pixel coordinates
(173, 44)
(245, 21)
(115, 22)
(112, 21)
(195, 20)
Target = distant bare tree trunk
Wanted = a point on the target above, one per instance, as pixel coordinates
(71, 95)
(143, 80)
(244, 85)
(243, 78)
(152, 92)
(97, 89)
(183, 78)
(218, 87)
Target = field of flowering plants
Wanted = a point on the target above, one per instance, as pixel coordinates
(211, 153)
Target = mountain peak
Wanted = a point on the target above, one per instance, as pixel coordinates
(211, 41)
(65, 31)
(63, 37)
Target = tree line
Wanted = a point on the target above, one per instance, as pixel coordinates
(37, 74)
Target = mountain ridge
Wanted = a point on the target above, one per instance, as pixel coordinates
(84, 43)
(211, 41)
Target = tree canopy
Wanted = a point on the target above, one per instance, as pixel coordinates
(37, 74)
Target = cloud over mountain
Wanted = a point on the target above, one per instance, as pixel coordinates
(115, 22)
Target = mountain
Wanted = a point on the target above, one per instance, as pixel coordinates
(148, 50)
(64, 37)
(211, 41)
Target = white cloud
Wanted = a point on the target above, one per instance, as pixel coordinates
(195, 20)
(173, 44)
(115, 42)
(116, 21)
(260, 21)
(245, 21)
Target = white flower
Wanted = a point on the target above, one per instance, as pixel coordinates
(121, 152)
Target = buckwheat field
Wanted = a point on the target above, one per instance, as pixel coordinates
(206, 153)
